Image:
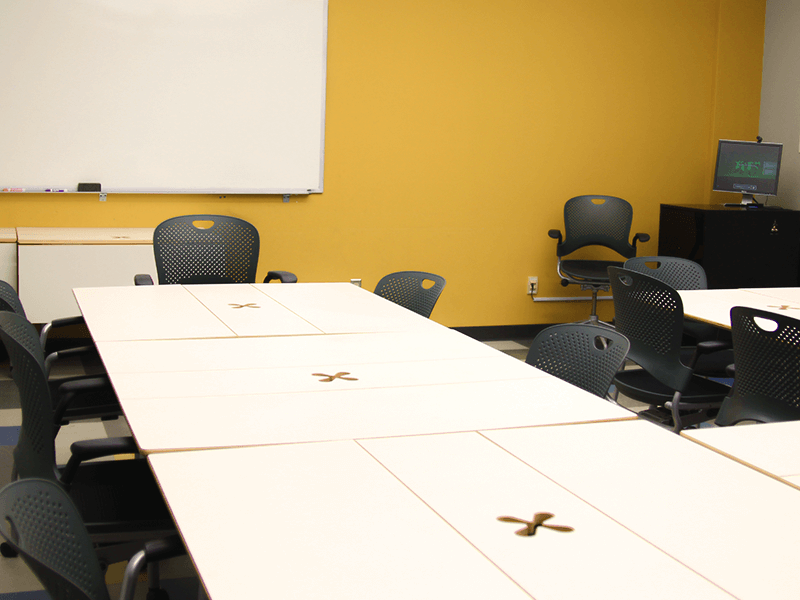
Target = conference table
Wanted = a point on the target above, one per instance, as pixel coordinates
(772, 448)
(714, 306)
(315, 439)
(214, 366)
(769, 447)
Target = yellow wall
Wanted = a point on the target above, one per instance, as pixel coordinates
(456, 129)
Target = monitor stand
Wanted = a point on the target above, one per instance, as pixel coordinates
(748, 201)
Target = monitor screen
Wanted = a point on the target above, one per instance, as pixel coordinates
(748, 168)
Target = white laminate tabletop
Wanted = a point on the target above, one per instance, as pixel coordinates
(317, 378)
(731, 524)
(226, 354)
(470, 481)
(208, 388)
(85, 235)
(316, 521)
(161, 312)
(166, 424)
(792, 479)
(405, 518)
(771, 447)
(714, 306)
(786, 294)
(345, 308)
(249, 312)
(147, 313)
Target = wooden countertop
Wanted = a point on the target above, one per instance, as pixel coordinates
(84, 235)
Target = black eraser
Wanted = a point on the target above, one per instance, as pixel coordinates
(89, 187)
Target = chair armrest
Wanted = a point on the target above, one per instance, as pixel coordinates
(89, 449)
(58, 355)
(68, 391)
(55, 323)
(555, 234)
(284, 276)
(640, 237)
(707, 347)
(142, 279)
(153, 551)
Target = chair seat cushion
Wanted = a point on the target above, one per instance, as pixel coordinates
(755, 407)
(118, 497)
(100, 403)
(589, 270)
(639, 385)
(714, 364)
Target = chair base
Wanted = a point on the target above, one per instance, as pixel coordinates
(661, 415)
(595, 320)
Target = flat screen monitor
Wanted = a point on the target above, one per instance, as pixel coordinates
(748, 168)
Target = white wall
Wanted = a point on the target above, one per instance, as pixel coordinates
(780, 94)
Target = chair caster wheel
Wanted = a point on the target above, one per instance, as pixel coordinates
(7, 551)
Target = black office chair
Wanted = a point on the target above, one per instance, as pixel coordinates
(189, 252)
(120, 502)
(414, 290)
(76, 397)
(10, 301)
(584, 355)
(650, 314)
(40, 522)
(594, 221)
(684, 274)
(766, 346)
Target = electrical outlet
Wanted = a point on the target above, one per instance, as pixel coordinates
(533, 286)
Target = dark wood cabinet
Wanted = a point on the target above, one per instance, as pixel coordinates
(737, 247)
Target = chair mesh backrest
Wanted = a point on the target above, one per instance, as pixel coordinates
(679, 273)
(584, 355)
(34, 455)
(650, 314)
(410, 290)
(225, 252)
(9, 300)
(767, 362)
(41, 523)
(587, 223)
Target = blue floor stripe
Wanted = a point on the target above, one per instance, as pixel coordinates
(9, 437)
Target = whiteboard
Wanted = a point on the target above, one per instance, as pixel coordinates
(173, 96)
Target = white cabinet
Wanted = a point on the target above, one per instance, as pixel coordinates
(54, 260)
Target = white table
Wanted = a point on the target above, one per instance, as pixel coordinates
(346, 308)
(147, 313)
(773, 448)
(731, 524)
(188, 377)
(53, 260)
(410, 517)
(714, 306)
(209, 311)
(788, 295)
(381, 485)
(218, 421)
(232, 353)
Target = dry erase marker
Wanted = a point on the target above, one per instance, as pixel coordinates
(13, 189)
(53, 190)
